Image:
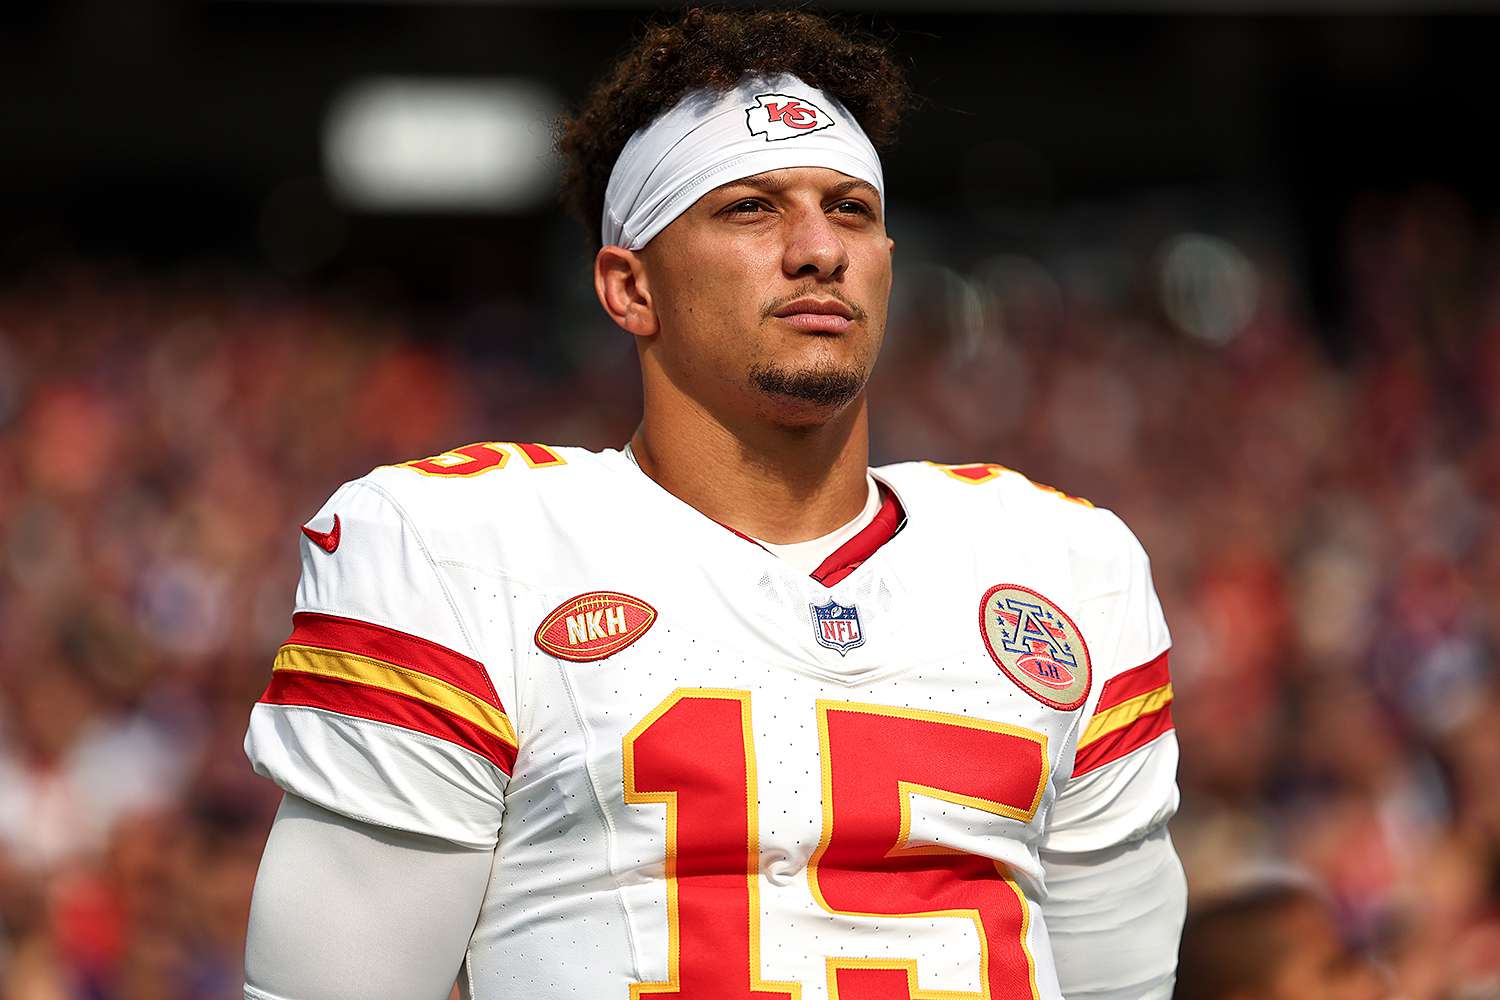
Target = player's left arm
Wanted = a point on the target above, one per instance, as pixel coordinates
(1116, 891)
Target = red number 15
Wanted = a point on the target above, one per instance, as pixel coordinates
(695, 754)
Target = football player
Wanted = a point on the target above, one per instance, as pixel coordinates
(724, 714)
(1274, 939)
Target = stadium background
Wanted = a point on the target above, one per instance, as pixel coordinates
(1226, 266)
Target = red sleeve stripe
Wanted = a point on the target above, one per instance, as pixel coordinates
(362, 701)
(349, 635)
(1133, 683)
(411, 683)
(1119, 742)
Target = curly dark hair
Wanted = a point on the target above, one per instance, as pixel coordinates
(714, 49)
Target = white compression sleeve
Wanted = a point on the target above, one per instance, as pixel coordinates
(1115, 919)
(346, 909)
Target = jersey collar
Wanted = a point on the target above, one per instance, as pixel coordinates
(889, 520)
(847, 558)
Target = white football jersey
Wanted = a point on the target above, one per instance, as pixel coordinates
(706, 775)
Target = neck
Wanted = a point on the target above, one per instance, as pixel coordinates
(779, 484)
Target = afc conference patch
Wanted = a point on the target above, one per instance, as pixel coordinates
(1035, 644)
(837, 626)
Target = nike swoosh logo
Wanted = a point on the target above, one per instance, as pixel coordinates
(325, 540)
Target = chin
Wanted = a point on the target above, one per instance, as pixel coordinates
(807, 397)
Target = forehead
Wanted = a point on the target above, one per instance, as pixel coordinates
(825, 180)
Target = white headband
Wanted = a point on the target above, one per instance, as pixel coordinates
(708, 139)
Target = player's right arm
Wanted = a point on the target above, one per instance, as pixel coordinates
(347, 909)
(386, 731)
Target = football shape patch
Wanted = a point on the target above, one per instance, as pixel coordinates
(1035, 644)
(594, 625)
(782, 116)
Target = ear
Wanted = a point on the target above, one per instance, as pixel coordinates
(624, 291)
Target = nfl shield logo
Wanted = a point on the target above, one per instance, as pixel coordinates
(837, 626)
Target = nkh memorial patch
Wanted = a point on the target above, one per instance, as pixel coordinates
(1035, 644)
(837, 626)
(594, 625)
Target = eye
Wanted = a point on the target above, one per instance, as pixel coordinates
(858, 208)
(746, 206)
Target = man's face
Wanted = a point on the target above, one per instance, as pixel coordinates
(1314, 963)
(770, 294)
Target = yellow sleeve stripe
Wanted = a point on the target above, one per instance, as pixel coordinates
(1123, 714)
(398, 680)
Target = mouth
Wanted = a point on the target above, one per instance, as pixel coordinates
(817, 315)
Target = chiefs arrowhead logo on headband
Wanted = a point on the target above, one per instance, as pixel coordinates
(711, 137)
(781, 116)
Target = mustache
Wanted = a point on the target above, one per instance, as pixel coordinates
(818, 293)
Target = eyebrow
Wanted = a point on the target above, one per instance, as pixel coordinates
(772, 185)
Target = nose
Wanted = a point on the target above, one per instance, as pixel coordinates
(814, 247)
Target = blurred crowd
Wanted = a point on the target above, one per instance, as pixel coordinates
(1323, 528)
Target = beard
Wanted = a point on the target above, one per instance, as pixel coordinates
(826, 386)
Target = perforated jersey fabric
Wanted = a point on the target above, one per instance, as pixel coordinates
(888, 760)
